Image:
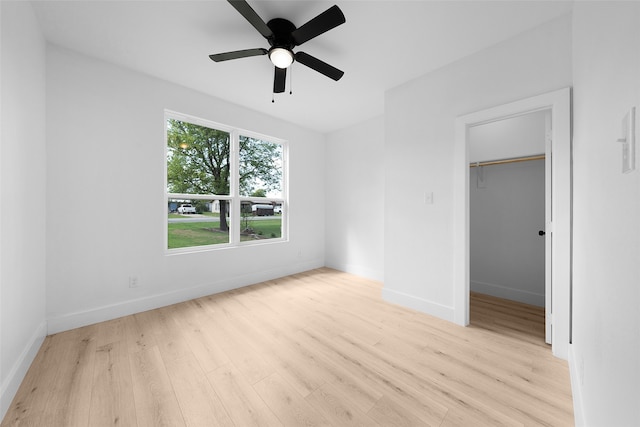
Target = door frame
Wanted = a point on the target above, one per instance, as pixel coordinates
(559, 103)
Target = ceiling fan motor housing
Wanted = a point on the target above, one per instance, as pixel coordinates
(282, 37)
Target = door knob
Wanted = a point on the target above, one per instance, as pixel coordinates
(541, 233)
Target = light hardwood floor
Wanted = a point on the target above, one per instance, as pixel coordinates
(314, 349)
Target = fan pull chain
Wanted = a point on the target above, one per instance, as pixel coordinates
(291, 81)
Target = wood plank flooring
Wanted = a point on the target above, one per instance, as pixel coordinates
(319, 348)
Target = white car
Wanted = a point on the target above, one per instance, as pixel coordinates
(186, 209)
(277, 209)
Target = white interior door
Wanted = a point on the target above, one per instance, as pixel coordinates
(548, 232)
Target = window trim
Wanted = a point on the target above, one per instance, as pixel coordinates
(234, 196)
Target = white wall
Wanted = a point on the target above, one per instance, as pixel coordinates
(506, 254)
(355, 199)
(419, 137)
(605, 355)
(22, 194)
(504, 139)
(105, 147)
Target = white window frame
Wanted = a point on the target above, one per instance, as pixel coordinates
(234, 196)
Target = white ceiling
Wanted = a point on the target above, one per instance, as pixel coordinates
(382, 45)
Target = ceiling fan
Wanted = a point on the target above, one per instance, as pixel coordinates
(283, 36)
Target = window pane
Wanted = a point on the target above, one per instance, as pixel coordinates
(260, 168)
(259, 221)
(206, 165)
(197, 223)
(198, 159)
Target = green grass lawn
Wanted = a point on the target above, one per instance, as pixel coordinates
(265, 229)
(187, 234)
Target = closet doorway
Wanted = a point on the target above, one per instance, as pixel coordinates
(558, 231)
(509, 207)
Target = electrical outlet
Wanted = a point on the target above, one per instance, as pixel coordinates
(134, 281)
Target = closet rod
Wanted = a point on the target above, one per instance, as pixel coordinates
(504, 161)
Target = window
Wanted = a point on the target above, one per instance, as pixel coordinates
(224, 186)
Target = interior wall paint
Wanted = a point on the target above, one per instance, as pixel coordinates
(505, 139)
(507, 256)
(419, 139)
(105, 194)
(605, 354)
(355, 199)
(3, 410)
(22, 190)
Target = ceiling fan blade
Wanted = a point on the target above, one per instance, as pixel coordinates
(322, 23)
(218, 57)
(320, 66)
(279, 80)
(250, 15)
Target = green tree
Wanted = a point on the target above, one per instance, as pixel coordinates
(260, 166)
(199, 162)
(260, 192)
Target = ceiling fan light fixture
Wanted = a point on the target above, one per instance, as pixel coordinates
(281, 57)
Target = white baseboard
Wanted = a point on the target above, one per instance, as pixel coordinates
(576, 390)
(90, 316)
(357, 270)
(10, 385)
(419, 304)
(500, 291)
